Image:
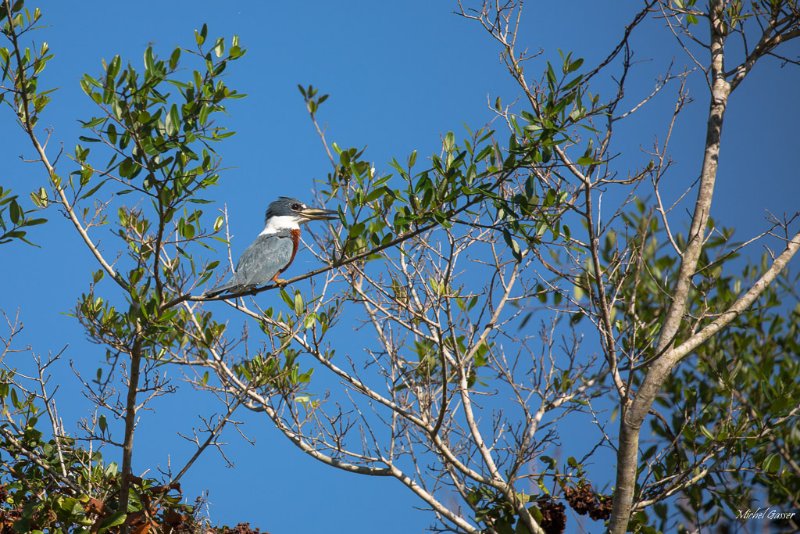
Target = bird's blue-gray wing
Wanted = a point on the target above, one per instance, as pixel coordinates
(265, 258)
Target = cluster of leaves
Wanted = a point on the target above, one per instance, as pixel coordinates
(381, 210)
(277, 368)
(276, 371)
(744, 388)
(32, 500)
(465, 179)
(21, 83)
(155, 134)
(52, 485)
(21, 66)
(745, 403)
(494, 510)
(160, 146)
(14, 218)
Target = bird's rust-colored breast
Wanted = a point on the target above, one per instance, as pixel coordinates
(295, 245)
(295, 235)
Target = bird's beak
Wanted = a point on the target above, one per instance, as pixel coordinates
(316, 214)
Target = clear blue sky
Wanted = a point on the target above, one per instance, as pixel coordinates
(400, 75)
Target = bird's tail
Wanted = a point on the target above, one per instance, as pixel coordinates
(217, 291)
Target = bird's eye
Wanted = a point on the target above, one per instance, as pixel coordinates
(297, 207)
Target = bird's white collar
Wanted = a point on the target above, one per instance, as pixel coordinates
(281, 223)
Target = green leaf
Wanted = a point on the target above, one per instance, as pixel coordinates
(551, 77)
(512, 245)
(114, 520)
(200, 36)
(173, 120)
(412, 159)
(113, 67)
(126, 168)
(235, 52)
(174, 58)
(574, 65)
(15, 212)
(286, 298)
(39, 198)
(298, 303)
(187, 231)
(149, 59)
(772, 463)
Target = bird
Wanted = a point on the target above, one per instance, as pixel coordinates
(275, 247)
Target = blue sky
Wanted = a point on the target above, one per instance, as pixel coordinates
(400, 75)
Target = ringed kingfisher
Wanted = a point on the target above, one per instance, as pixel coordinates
(274, 248)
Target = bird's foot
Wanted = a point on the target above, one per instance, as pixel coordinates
(280, 281)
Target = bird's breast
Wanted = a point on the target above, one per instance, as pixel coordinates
(295, 244)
